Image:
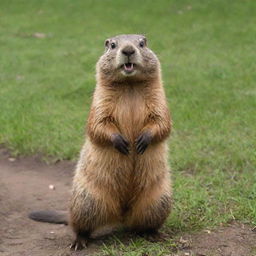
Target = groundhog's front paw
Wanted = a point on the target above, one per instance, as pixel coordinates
(120, 143)
(143, 141)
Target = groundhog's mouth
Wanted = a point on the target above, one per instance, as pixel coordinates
(128, 67)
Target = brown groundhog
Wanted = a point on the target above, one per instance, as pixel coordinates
(122, 176)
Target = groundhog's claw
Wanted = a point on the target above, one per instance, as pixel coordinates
(120, 143)
(79, 244)
(142, 142)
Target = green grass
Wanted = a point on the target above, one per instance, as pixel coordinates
(207, 50)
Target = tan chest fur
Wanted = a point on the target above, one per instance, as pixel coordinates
(130, 111)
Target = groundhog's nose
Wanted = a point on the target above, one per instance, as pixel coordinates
(128, 50)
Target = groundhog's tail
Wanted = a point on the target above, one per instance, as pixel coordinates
(57, 217)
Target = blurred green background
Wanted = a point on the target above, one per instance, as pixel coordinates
(48, 51)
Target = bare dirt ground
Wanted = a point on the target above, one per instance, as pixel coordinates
(24, 186)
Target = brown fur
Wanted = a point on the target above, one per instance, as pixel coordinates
(110, 187)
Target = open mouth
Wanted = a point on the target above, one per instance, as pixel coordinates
(128, 67)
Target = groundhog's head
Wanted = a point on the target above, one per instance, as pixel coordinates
(127, 58)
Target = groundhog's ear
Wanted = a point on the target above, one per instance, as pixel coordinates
(107, 43)
(145, 40)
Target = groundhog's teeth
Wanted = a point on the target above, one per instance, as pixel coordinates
(128, 66)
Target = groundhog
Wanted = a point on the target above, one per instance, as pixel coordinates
(122, 176)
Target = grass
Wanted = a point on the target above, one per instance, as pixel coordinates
(207, 50)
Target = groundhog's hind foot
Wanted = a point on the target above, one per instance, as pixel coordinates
(153, 235)
(79, 243)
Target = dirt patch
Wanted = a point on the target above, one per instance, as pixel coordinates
(24, 186)
(235, 239)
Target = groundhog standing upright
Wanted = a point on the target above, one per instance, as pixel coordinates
(122, 175)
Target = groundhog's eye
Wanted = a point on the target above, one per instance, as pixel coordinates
(142, 43)
(113, 45)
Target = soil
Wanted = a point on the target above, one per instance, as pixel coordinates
(234, 239)
(28, 184)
